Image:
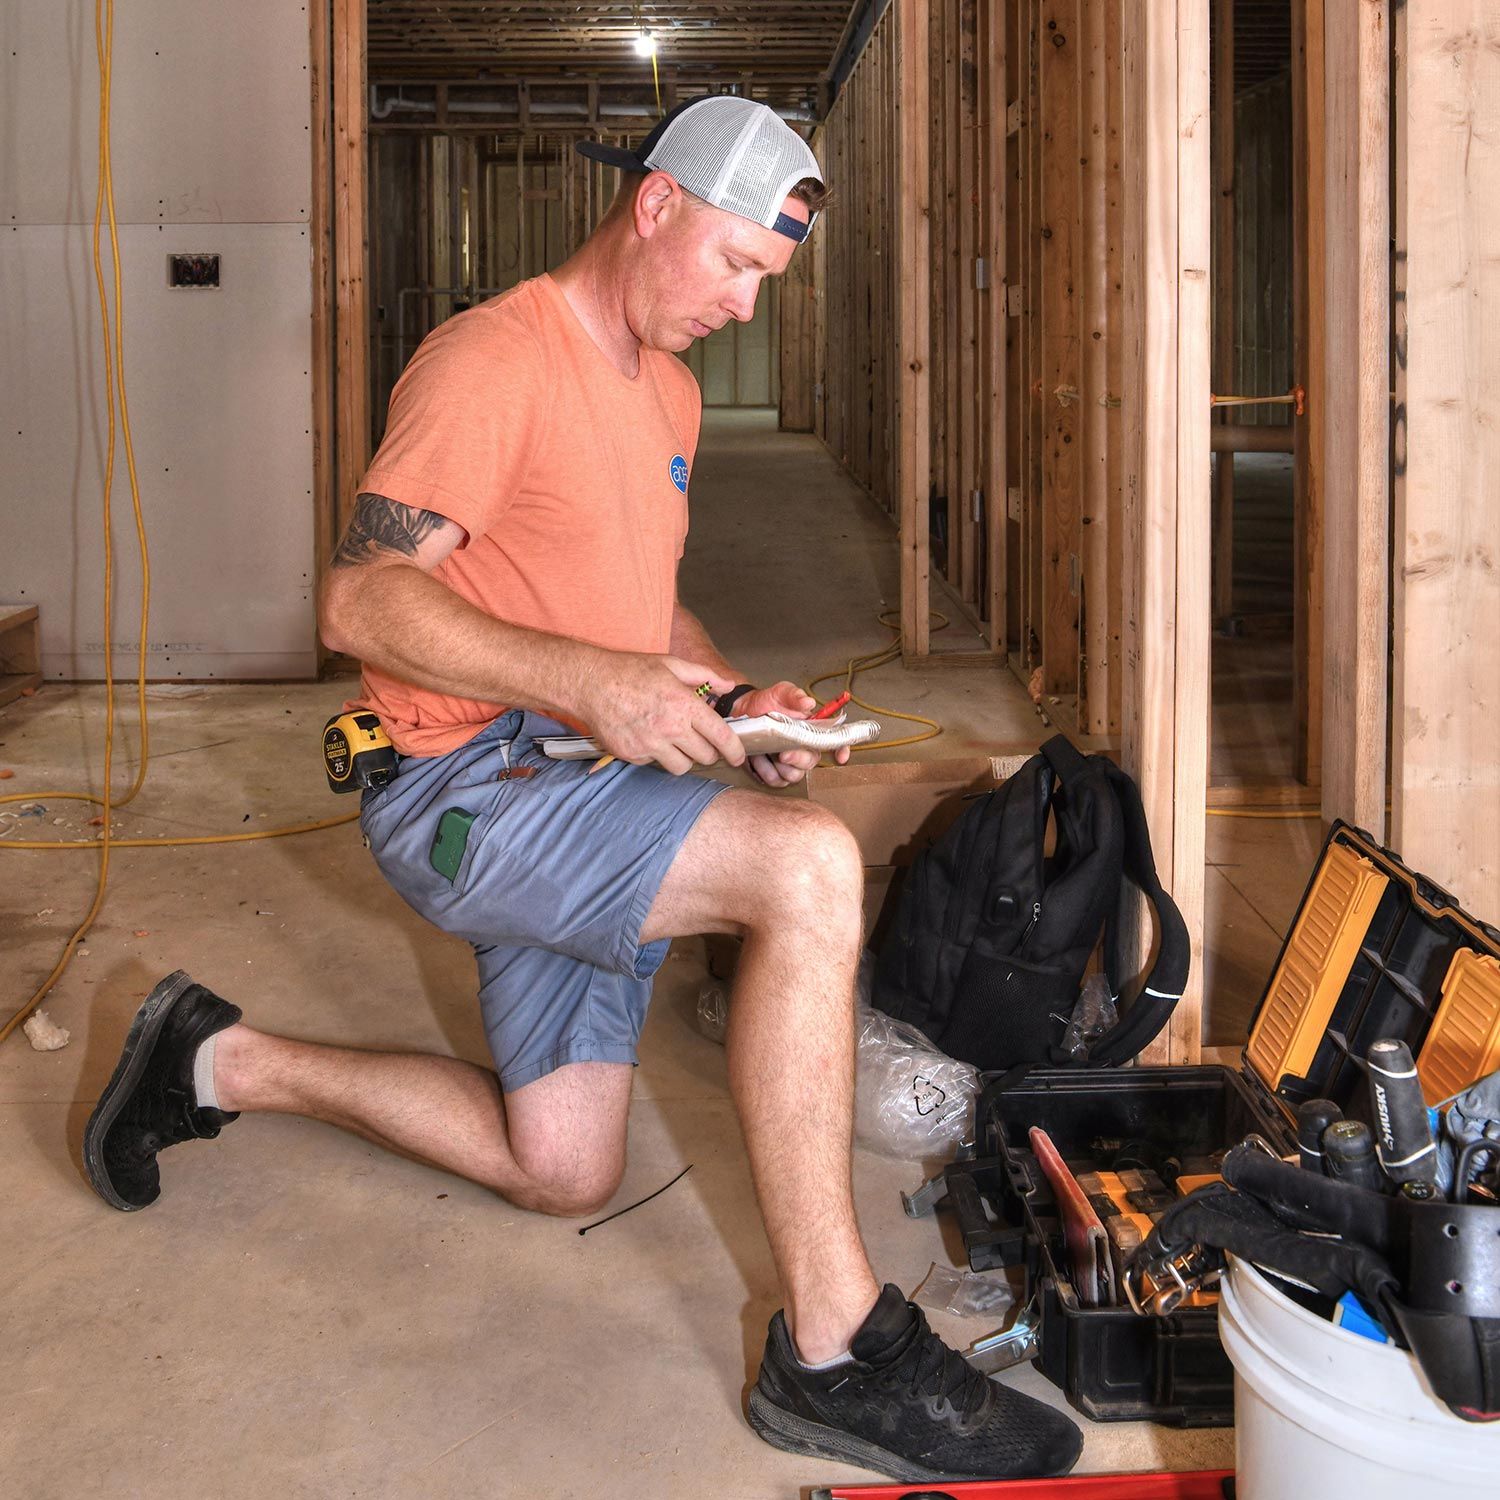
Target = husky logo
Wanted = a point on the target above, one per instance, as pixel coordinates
(679, 472)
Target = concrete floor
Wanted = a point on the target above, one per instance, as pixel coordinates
(302, 1314)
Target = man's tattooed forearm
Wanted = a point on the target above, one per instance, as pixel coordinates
(382, 525)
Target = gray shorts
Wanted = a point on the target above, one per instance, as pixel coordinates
(551, 885)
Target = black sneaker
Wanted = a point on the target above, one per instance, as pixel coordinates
(149, 1102)
(908, 1406)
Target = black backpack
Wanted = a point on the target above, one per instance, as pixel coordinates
(991, 937)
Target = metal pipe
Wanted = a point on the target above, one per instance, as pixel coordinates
(544, 108)
(414, 106)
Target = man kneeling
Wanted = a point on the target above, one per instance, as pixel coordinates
(509, 573)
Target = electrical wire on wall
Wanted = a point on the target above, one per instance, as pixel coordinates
(113, 339)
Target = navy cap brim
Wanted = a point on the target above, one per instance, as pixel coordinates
(611, 156)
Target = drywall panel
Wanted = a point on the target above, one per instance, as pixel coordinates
(212, 153)
(210, 113)
(218, 383)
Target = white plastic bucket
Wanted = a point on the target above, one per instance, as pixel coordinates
(1323, 1413)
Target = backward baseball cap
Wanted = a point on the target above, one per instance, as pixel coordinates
(734, 153)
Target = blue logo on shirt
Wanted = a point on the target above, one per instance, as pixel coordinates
(679, 472)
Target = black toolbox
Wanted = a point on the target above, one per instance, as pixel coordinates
(1374, 951)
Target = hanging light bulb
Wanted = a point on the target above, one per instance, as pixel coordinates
(645, 43)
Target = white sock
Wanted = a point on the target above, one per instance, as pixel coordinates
(828, 1364)
(203, 1074)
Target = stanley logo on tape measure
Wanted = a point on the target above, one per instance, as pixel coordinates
(357, 752)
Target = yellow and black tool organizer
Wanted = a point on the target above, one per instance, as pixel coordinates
(1374, 951)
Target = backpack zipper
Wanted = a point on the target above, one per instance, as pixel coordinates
(1036, 916)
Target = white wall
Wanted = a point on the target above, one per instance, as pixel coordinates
(212, 152)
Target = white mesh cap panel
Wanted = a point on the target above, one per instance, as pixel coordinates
(736, 154)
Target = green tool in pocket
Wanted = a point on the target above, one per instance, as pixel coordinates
(448, 844)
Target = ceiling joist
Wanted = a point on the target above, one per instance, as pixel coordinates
(790, 43)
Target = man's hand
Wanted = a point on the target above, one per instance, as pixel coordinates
(646, 710)
(791, 765)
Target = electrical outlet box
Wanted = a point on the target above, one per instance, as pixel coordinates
(193, 271)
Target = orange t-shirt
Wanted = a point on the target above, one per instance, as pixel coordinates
(569, 479)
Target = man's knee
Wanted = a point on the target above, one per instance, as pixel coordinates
(812, 868)
(567, 1187)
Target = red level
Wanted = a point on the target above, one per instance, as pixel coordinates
(1205, 1484)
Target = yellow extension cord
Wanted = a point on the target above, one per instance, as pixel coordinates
(114, 365)
(858, 664)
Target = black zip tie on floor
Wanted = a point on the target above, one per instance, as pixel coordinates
(649, 1196)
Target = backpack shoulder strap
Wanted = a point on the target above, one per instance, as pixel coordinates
(1065, 759)
(1165, 983)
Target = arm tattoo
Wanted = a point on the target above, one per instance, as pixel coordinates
(382, 525)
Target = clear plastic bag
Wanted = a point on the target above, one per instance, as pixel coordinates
(713, 1010)
(910, 1100)
(967, 1294)
(1094, 1013)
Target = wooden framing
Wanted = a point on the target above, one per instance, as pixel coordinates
(1114, 229)
(1309, 363)
(1030, 395)
(796, 407)
(1096, 659)
(994, 406)
(320, 233)
(914, 413)
(1446, 672)
(1165, 413)
(1223, 188)
(1090, 365)
(969, 484)
(1356, 400)
(1061, 373)
(943, 321)
(969, 397)
(350, 253)
(787, 44)
(20, 651)
(857, 339)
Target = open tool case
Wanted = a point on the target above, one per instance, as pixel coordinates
(1374, 951)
